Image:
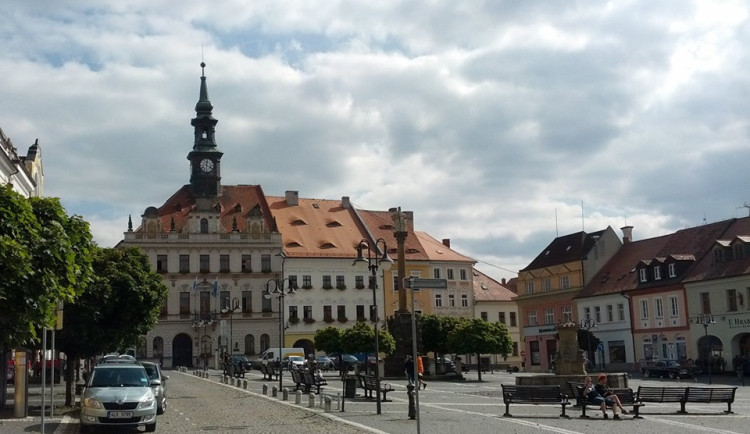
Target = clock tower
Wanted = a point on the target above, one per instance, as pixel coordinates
(205, 157)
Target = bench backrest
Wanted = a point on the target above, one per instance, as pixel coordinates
(296, 377)
(661, 394)
(545, 393)
(710, 394)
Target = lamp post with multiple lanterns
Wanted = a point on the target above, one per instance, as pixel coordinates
(588, 324)
(230, 308)
(275, 288)
(706, 320)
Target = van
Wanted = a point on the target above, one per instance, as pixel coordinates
(272, 354)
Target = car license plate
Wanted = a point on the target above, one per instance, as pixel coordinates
(120, 414)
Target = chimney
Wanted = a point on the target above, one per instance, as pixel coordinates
(292, 198)
(503, 281)
(409, 220)
(447, 242)
(627, 234)
(345, 203)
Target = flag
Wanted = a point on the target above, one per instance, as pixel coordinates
(195, 283)
(216, 287)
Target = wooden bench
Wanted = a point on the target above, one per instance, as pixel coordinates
(575, 392)
(309, 380)
(370, 385)
(269, 371)
(659, 395)
(710, 395)
(626, 395)
(299, 383)
(518, 394)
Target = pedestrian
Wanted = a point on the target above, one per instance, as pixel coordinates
(420, 372)
(594, 397)
(607, 393)
(409, 369)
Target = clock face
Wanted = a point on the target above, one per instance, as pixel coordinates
(207, 165)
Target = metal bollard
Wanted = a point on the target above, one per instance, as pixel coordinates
(311, 400)
(327, 404)
(298, 397)
(412, 401)
(274, 391)
(285, 394)
(265, 389)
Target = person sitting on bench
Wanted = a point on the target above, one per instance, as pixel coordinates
(605, 391)
(593, 397)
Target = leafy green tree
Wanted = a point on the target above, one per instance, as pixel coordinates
(476, 336)
(120, 306)
(435, 331)
(361, 339)
(328, 339)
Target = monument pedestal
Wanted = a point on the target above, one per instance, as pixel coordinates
(399, 326)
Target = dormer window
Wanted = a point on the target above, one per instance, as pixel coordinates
(672, 270)
(657, 272)
(643, 276)
(204, 226)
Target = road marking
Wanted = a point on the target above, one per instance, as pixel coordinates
(526, 423)
(691, 426)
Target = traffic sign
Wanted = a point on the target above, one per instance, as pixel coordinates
(523, 353)
(418, 283)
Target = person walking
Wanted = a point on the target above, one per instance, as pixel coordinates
(420, 372)
(409, 369)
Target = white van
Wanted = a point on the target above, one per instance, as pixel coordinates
(272, 354)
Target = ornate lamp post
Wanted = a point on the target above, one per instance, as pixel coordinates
(588, 324)
(230, 309)
(204, 322)
(275, 288)
(705, 321)
(373, 264)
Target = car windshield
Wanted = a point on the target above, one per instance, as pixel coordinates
(152, 371)
(296, 358)
(123, 377)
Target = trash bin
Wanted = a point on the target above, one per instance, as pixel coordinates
(350, 387)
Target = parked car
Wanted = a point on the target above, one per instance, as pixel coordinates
(666, 368)
(349, 361)
(117, 358)
(118, 395)
(324, 363)
(160, 390)
(293, 362)
(445, 364)
(241, 360)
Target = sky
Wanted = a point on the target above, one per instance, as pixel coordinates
(500, 124)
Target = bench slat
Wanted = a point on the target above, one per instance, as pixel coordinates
(547, 394)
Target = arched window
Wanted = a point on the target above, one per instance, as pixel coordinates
(204, 226)
(158, 347)
(265, 342)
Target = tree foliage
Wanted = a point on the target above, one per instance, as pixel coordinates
(45, 256)
(476, 336)
(435, 331)
(328, 339)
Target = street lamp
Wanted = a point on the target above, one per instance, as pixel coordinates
(373, 263)
(203, 323)
(277, 290)
(705, 321)
(588, 324)
(230, 309)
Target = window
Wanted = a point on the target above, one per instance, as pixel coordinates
(546, 285)
(657, 272)
(247, 266)
(293, 281)
(184, 263)
(265, 263)
(532, 318)
(224, 263)
(673, 307)
(306, 281)
(293, 312)
(265, 305)
(164, 307)
(644, 309)
(438, 300)
(616, 351)
(436, 273)
(620, 312)
(462, 274)
(534, 349)
(340, 282)
(247, 301)
(307, 312)
(204, 226)
(731, 300)
(449, 273)
(610, 313)
(672, 270)
(567, 314)
(597, 314)
(205, 263)
(659, 307)
(483, 315)
(359, 282)
(464, 300)
(327, 313)
(373, 313)
(549, 316)
(501, 317)
(184, 303)
(205, 302)
(515, 349)
(564, 282)
(513, 322)
(451, 300)
(705, 303)
(327, 282)
(529, 288)
(587, 313)
(643, 274)
(341, 312)
(360, 311)
(224, 299)
(161, 263)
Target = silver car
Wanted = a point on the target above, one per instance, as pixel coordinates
(160, 390)
(118, 395)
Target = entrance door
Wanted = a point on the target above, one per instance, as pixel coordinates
(551, 352)
(182, 351)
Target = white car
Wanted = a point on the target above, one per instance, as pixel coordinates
(293, 362)
(118, 395)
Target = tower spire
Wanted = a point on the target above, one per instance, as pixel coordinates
(205, 157)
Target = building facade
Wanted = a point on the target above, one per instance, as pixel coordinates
(23, 172)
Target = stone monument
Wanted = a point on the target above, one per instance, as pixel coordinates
(569, 359)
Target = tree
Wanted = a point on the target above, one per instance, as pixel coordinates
(328, 339)
(476, 336)
(435, 331)
(120, 306)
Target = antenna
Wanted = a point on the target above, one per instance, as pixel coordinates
(583, 222)
(746, 205)
(557, 230)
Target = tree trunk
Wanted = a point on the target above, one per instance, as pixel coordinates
(479, 367)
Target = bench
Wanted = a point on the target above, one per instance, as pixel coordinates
(710, 395)
(370, 385)
(299, 383)
(626, 395)
(575, 392)
(518, 394)
(309, 380)
(269, 371)
(660, 395)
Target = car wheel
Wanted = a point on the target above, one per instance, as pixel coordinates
(646, 373)
(151, 427)
(160, 408)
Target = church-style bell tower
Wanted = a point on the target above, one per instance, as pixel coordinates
(205, 157)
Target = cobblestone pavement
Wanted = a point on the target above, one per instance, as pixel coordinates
(207, 405)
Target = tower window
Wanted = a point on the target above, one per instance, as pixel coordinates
(204, 226)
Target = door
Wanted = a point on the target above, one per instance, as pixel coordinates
(182, 351)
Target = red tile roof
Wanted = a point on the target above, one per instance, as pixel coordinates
(707, 269)
(488, 289)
